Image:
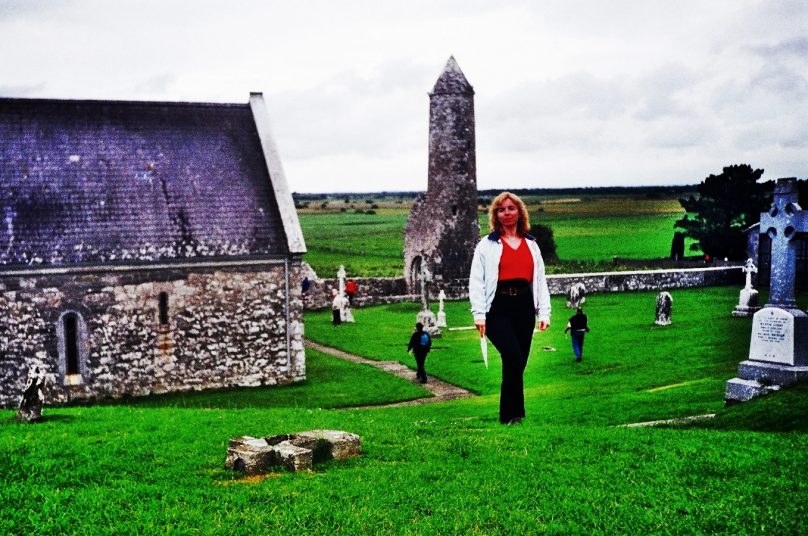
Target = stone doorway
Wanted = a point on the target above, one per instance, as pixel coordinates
(415, 273)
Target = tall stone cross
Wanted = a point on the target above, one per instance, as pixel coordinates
(341, 276)
(749, 268)
(781, 223)
(425, 277)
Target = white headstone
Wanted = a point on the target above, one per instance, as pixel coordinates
(441, 323)
(576, 295)
(345, 311)
(774, 338)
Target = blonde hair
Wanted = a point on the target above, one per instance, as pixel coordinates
(522, 225)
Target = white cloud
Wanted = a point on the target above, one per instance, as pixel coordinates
(568, 92)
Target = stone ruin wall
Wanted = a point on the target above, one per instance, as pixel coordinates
(226, 328)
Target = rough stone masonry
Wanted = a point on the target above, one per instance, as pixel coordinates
(442, 229)
(144, 248)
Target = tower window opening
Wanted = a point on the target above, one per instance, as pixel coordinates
(163, 308)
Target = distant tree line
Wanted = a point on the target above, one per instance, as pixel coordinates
(651, 192)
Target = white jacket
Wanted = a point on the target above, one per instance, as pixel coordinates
(485, 273)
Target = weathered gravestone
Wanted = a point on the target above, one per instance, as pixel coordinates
(441, 323)
(576, 295)
(425, 316)
(748, 300)
(778, 349)
(293, 452)
(663, 308)
(33, 396)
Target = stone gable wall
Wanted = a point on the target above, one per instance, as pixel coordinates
(227, 327)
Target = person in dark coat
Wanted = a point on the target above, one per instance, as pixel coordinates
(420, 344)
(579, 326)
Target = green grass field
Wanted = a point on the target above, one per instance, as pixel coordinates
(156, 466)
(588, 230)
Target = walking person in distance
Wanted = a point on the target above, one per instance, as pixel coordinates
(420, 344)
(509, 296)
(579, 326)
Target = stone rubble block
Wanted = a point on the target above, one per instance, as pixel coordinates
(332, 444)
(293, 452)
(291, 457)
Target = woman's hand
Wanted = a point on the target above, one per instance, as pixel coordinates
(480, 325)
(542, 325)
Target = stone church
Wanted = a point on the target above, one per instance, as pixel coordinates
(443, 229)
(145, 247)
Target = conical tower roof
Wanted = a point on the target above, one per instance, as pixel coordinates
(452, 81)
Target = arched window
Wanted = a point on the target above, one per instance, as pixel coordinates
(163, 308)
(70, 331)
(71, 341)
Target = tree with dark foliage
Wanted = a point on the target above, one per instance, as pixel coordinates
(544, 238)
(725, 206)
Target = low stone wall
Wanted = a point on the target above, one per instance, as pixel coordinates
(374, 291)
(648, 280)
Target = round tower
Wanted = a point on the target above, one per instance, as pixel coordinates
(443, 228)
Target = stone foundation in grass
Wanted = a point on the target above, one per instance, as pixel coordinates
(293, 452)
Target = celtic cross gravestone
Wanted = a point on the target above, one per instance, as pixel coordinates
(778, 349)
(782, 223)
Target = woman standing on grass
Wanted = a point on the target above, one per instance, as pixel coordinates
(508, 291)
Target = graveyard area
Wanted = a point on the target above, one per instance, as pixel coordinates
(157, 464)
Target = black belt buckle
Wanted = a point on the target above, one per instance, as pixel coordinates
(510, 291)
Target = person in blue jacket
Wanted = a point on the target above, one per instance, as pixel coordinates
(420, 344)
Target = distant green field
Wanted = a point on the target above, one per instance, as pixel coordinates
(368, 245)
(592, 230)
(599, 229)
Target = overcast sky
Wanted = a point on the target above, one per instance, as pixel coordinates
(568, 93)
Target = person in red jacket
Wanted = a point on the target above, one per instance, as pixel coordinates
(350, 289)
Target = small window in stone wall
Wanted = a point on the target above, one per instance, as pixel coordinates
(163, 308)
(71, 343)
(71, 347)
(454, 210)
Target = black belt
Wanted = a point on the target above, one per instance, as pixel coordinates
(513, 287)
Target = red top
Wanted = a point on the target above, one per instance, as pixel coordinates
(516, 263)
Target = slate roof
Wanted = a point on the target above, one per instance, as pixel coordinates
(103, 181)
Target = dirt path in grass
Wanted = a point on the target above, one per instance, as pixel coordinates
(440, 390)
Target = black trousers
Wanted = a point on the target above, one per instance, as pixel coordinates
(420, 359)
(509, 326)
